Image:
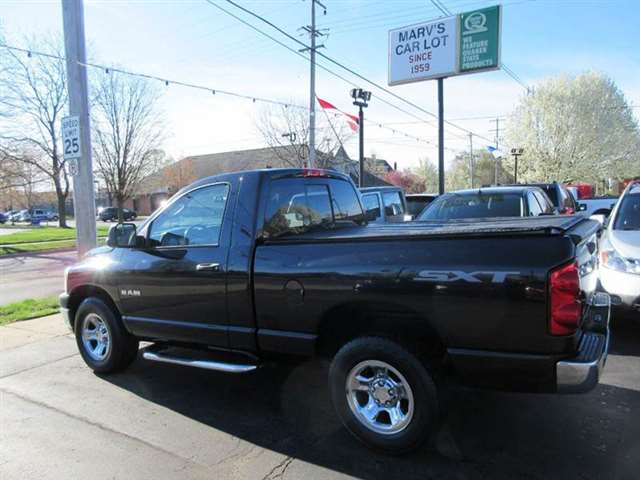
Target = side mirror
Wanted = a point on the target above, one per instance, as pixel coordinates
(122, 235)
(582, 207)
(601, 219)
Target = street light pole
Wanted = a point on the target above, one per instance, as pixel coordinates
(516, 152)
(361, 99)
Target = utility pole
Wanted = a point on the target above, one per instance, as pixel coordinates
(313, 33)
(83, 194)
(471, 166)
(440, 136)
(497, 159)
(361, 99)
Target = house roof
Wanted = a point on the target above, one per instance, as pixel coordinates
(211, 164)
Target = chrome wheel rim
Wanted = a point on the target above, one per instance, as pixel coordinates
(380, 397)
(96, 337)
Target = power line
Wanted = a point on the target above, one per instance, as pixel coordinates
(208, 89)
(166, 81)
(326, 69)
(441, 7)
(335, 62)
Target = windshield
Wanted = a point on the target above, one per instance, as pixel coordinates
(473, 205)
(628, 217)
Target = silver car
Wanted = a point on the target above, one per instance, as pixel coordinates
(620, 250)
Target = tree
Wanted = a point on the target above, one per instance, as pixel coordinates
(33, 99)
(428, 173)
(575, 128)
(286, 131)
(126, 134)
(408, 181)
(458, 174)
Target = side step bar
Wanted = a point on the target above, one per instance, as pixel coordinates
(206, 364)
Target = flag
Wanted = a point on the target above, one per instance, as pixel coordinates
(352, 120)
(325, 104)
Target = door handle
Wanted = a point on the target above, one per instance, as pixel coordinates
(212, 267)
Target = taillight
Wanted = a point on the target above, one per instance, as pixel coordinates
(565, 308)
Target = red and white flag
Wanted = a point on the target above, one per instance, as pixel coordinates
(352, 120)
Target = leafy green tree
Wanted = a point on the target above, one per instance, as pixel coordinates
(428, 174)
(575, 129)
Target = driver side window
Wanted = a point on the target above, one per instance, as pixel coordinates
(193, 219)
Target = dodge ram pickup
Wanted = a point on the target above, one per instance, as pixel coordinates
(244, 268)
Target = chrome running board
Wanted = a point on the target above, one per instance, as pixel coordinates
(206, 364)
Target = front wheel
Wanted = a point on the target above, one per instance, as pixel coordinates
(103, 342)
(383, 394)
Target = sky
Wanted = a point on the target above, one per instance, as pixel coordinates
(193, 41)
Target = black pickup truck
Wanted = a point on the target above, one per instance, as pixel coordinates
(257, 266)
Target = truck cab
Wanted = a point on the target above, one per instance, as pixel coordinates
(385, 204)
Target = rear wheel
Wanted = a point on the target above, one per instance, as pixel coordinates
(103, 342)
(383, 394)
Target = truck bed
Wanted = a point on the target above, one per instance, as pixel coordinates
(545, 226)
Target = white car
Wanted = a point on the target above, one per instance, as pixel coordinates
(620, 250)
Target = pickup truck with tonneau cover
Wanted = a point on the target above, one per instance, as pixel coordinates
(276, 264)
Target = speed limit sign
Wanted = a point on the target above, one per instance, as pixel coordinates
(71, 146)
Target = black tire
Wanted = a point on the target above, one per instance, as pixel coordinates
(123, 346)
(425, 412)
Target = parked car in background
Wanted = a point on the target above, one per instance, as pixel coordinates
(385, 204)
(52, 216)
(416, 202)
(21, 216)
(597, 206)
(3, 218)
(110, 214)
(560, 196)
(620, 250)
(514, 201)
(41, 215)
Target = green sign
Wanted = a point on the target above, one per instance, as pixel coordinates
(479, 39)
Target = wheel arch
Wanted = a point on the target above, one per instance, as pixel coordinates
(344, 322)
(81, 293)
(602, 211)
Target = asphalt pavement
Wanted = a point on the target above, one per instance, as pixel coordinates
(157, 421)
(33, 275)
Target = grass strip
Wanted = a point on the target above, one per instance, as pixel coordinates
(27, 309)
(44, 234)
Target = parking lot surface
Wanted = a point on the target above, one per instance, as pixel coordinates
(59, 420)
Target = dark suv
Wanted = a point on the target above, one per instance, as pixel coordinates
(111, 213)
(559, 195)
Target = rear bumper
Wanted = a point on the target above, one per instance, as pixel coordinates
(63, 299)
(582, 372)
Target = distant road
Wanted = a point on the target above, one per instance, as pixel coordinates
(33, 275)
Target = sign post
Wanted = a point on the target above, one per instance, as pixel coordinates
(445, 47)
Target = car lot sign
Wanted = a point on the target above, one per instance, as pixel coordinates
(423, 51)
(480, 39)
(465, 43)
